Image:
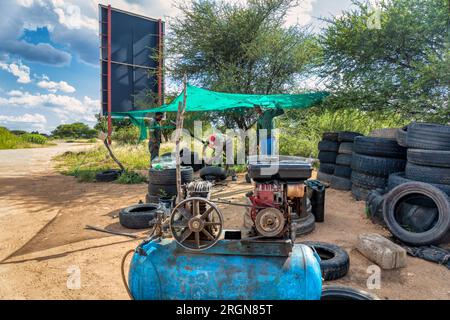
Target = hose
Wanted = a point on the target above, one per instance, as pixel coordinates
(122, 269)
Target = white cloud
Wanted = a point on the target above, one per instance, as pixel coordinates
(69, 15)
(301, 14)
(54, 87)
(19, 70)
(27, 118)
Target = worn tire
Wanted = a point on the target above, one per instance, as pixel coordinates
(108, 175)
(344, 293)
(340, 183)
(343, 171)
(379, 147)
(436, 175)
(159, 190)
(347, 136)
(138, 216)
(402, 136)
(399, 178)
(345, 148)
(330, 136)
(428, 136)
(415, 217)
(431, 236)
(344, 160)
(305, 225)
(335, 261)
(324, 177)
(368, 181)
(432, 158)
(326, 145)
(213, 173)
(387, 133)
(377, 166)
(374, 206)
(169, 177)
(247, 178)
(327, 156)
(359, 193)
(327, 168)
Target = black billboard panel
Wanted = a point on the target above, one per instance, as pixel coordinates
(132, 46)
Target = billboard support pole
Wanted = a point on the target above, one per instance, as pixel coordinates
(109, 76)
(160, 56)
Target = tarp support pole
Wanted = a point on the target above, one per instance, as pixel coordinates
(160, 62)
(109, 77)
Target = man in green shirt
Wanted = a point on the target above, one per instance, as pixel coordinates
(154, 141)
(265, 121)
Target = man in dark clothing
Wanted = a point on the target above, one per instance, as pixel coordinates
(154, 141)
(265, 121)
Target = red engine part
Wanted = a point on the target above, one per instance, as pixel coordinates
(265, 195)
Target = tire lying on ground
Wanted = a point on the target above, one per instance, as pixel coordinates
(345, 293)
(379, 147)
(327, 168)
(359, 193)
(438, 175)
(368, 181)
(377, 166)
(401, 136)
(340, 183)
(347, 136)
(138, 216)
(432, 158)
(305, 225)
(399, 178)
(342, 171)
(327, 156)
(108, 175)
(346, 148)
(428, 136)
(335, 261)
(401, 193)
(213, 173)
(374, 206)
(330, 136)
(326, 145)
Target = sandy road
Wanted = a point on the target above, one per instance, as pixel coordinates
(43, 243)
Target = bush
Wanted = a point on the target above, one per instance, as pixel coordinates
(126, 135)
(131, 177)
(76, 130)
(34, 138)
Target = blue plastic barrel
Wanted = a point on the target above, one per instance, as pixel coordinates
(228, 271)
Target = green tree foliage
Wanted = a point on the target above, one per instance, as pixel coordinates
(239, 47)
(75, 130)
(403, 66)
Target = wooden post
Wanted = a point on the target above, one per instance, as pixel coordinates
(179, 127)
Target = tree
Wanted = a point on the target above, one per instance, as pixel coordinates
(75, 130)
(242, 48)
(402, 66)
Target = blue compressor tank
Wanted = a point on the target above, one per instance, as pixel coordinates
(230, 270)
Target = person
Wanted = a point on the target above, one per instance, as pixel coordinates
(154, 141)
(265, 121)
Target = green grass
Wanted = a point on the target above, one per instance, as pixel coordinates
(131, 177)
(8, 140)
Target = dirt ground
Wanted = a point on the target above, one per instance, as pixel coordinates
(43, 239)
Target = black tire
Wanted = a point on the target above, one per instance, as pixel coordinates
(327, 156)
(138, 216)
(428, 136)
(377, 166)
(330, 136)
(327, 168)
(416, 218)
(374, 206)
(151, 199)
(360, 194)
(339, 183)
(305, 225)
(348, 136)
(344, 160)
(324, 177)
(247, 178)
(346, 148)
(161, 190)
(343, 171)
(326, 145)
(368, 181)
(169, 177)
(436, 175)
(344, 293)
(194, 162)
(402, 136)
(399, 194)
(335, 261)
(213, 173)
(379, 147)
(387, 133)
(432, 158)
(108, 175)
(399, 178)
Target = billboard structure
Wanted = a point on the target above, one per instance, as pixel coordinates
(131, 51)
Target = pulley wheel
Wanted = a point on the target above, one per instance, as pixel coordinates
(269, 222)
(196, 223)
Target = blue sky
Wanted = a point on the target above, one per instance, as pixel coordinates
(49, 56)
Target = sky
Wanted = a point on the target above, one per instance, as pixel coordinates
(49, 55)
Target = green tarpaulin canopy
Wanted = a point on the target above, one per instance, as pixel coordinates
(202, 100)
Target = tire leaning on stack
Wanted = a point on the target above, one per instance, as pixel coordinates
(373, 160)
(342, 170)
(328, 151)
(163, 183)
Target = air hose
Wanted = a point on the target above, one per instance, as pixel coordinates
(124, 278)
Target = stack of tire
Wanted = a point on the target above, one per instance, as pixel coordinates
(342, 170)
(163, 183)
(328, 151)
(373, 160)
